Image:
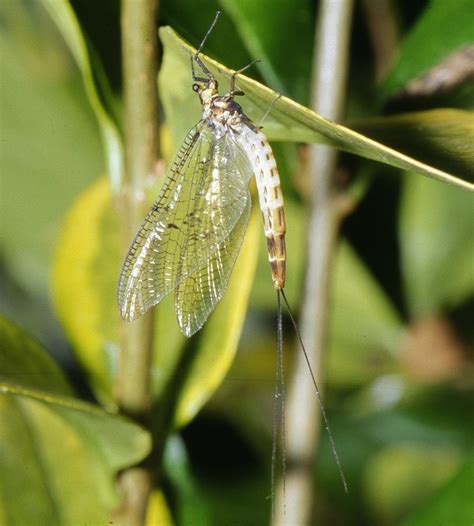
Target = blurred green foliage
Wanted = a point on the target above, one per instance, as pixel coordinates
(50, 152)
(399, 391)
(59, 455)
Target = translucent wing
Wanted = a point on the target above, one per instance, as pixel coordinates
(201, 201)
(197, 295)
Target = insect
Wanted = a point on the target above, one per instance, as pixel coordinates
(191, 237)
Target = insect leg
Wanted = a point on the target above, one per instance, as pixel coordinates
(193, 71)
(270, 108)
(233, 91)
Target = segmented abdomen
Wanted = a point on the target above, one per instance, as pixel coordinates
(271, 202)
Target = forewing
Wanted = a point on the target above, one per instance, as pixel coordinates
(146, 275)
(185, 212)
(227, 197)
(197, 295)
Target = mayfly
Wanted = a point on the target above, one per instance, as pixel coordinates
(191, 237)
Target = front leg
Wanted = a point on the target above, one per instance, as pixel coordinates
(234, 93)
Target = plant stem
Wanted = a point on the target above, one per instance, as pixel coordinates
(303, 415)
(141, 129)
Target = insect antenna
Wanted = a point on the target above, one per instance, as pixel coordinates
(196, 58)
(318, 393)
(206, 36)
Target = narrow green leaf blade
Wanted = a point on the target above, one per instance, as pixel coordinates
(288, 121)
(444, 137)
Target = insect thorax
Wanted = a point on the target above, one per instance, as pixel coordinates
(224, 114)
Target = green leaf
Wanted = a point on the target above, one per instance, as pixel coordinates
(364, 325)
(288, 120)
(452, 504)
(442, 137)
(24, 361)
(76, 272)
(284, 58)
(59, 456)
(400, 477)
(72, 452)
(443, 27)
(435, 230)
(63, 15)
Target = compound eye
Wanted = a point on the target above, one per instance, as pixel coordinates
(195, 87)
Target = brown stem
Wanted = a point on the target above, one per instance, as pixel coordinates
(303, 416)
(140, 67)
